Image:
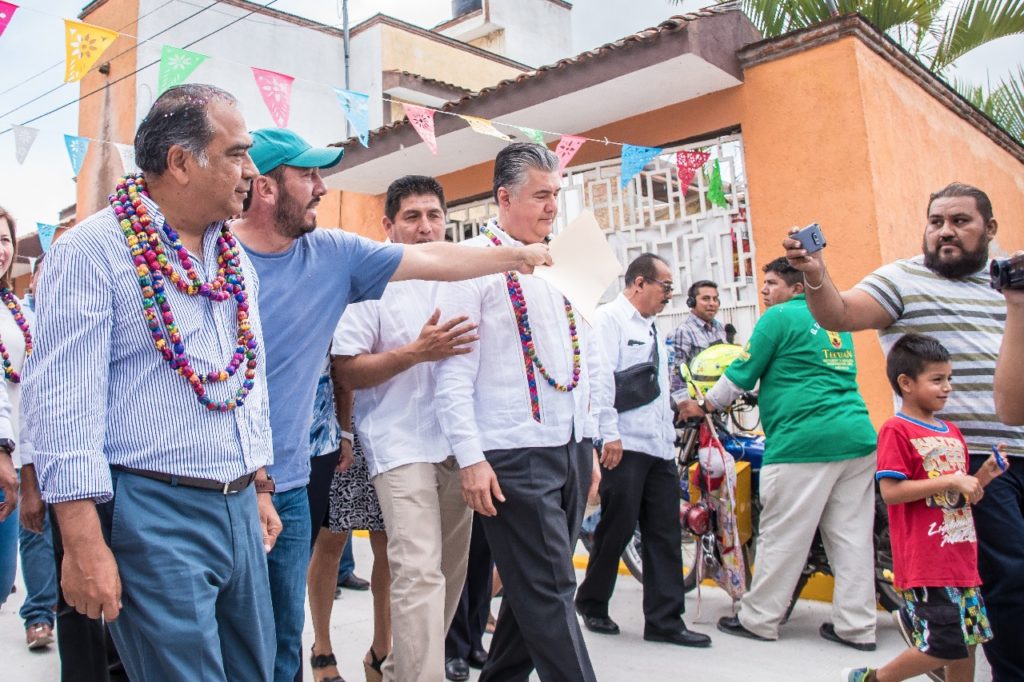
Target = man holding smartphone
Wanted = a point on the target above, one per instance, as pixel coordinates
(945, 293)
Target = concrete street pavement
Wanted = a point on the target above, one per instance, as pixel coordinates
(799, 655)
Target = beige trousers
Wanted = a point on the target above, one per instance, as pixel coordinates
(428, 525)
(837, 497)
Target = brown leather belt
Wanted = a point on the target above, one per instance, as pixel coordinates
(229, 488)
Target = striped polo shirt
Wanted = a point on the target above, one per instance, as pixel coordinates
(966, 316)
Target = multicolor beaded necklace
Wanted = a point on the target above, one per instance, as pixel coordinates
(11, 301)
(530, 357)
(153, 266)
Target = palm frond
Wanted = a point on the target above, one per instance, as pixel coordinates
(889, 15)
(1004, 103)
(974, 23)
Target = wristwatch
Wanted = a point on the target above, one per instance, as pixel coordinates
(7, 444)
(265, 485)
(703, 405)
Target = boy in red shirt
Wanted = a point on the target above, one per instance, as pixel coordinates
(922, 474)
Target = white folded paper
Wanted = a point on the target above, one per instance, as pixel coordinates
(584, 264)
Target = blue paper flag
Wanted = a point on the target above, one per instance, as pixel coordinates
(634, 159)
(357, 111)
(77, 147)
(46, 233)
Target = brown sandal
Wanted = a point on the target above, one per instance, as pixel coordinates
(373, 666)
(318, 661)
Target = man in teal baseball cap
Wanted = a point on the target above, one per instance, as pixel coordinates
(307, 277)
(273, 147)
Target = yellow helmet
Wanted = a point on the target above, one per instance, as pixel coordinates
(709, 365)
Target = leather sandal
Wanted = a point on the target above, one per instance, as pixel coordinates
(319, 661)
(373, 666)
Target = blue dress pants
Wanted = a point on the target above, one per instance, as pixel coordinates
(195, 593)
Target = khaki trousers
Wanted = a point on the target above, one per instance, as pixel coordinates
(428, 526)
(838, 498)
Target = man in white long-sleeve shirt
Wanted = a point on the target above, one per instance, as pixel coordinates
(639, 480)
(516, 411)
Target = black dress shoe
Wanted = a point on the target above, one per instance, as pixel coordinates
(602, 625)
(828, 631)
(683, 637)
(477, 658)
(731, 626)
(354, 582)
(456, 669)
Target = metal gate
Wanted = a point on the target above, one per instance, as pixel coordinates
(653, 213)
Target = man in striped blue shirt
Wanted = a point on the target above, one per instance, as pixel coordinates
(945, 293)
(183, 582)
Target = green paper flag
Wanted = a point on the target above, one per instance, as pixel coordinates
(535, 135)
(715, 193)
(175, 66)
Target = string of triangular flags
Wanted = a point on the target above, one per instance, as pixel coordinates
(85, 43)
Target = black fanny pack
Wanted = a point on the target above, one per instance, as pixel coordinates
(637, 386)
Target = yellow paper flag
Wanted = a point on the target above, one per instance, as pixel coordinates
(483, 126)
(85, 44)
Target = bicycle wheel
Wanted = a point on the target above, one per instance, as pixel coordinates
(888, 597)
(693, 554)
(632, 557)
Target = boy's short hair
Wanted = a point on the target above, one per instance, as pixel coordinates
(910, 354)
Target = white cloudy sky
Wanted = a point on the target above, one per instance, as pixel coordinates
(31, 65)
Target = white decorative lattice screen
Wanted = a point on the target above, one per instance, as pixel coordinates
(653, 213)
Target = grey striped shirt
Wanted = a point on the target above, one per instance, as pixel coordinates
(97, 392)
(967, 317)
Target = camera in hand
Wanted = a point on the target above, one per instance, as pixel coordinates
(1007, 273)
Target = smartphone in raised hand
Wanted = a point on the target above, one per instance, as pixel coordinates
(810, 238)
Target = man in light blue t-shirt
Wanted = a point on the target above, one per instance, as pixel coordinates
(307, 277)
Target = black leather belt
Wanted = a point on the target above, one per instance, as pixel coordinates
(229, 488)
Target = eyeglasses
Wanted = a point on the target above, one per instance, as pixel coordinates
(667, 286)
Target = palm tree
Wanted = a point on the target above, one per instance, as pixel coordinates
(937, 37)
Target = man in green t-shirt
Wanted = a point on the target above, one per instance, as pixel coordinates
(819, 464)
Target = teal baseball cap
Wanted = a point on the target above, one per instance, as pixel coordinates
(273, 147)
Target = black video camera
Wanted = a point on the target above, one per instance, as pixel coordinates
(1007, 273)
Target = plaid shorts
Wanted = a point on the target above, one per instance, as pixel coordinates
(945, 621)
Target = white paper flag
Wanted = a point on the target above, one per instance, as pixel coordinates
(127, 153)
(24, 136)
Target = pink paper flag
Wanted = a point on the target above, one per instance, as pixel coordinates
(276, 89)
(567, 148)
(422, 120)
(687, 163)
(6, 12)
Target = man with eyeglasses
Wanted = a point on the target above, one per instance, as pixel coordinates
(639, 481)
(699, 329)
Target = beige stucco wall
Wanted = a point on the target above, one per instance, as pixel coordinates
(405, 51)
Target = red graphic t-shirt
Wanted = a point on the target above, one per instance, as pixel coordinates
(933, 540)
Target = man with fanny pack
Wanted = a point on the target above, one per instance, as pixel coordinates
(639, 479)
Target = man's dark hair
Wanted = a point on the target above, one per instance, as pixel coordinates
(910, 354)
(410, 186)
(959, 189)
(514, 161)
(180, 116)
(790, 275)
(643, 266)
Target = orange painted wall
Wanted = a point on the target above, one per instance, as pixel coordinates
(110, 113)
(833, 135)
(358, 213)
